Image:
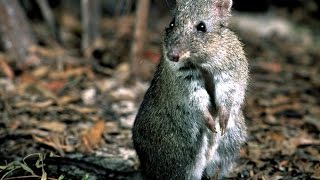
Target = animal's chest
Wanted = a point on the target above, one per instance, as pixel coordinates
(199, 97)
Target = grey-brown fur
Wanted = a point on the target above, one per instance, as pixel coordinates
(190, 124)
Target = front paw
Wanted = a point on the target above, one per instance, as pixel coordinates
(223, 116)
(210, 123)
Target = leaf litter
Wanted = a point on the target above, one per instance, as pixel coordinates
(83, 111)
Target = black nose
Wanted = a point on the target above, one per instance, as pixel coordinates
(173, 55)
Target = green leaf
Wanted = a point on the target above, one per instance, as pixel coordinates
(26, 168)
(85, 177)
(44, 175)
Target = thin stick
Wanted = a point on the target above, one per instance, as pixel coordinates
(139, 38)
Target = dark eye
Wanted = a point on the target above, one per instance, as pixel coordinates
(171, 25)
(201, 27)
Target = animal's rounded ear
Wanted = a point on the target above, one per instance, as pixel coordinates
(228, 4)
(222, 8)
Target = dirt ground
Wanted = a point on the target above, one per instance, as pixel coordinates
(75, 114)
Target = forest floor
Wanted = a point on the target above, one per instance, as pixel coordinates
(73, 115)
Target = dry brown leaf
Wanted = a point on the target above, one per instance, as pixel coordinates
(14, 125)
(67, 99)
(54, 126)
(73, 72)
(54, 141)
(46, 52)
(283, 163)
(282, 107)
(272, 67)
(122, 94)
(27, 78)
(47, 89)
(40, 72)
(31, 60)
(301, 138)
(112, 127)
(304, 140)
(316, 173)
(82, 110)
(69, 21)
(44, 91)
(92, 137)
(24, 82)
(123, 72)
(277, 137)
(55, 85)
(313, 152)
(5, 68)
(281, 99)
(43, 104)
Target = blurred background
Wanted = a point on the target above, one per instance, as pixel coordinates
(73, 74)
